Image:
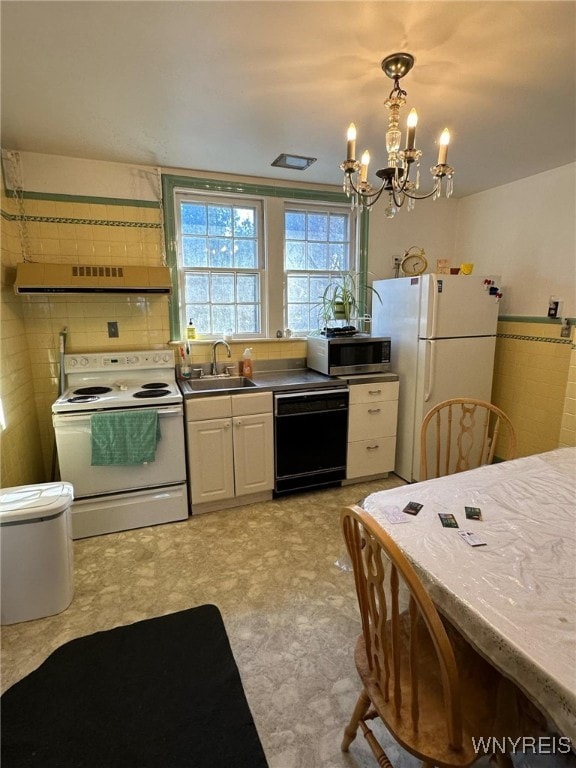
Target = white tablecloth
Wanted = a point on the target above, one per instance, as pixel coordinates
(514, 599)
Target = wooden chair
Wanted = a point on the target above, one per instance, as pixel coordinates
(462, 433)
(432, 691)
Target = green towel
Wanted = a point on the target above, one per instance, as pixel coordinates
(124, 437)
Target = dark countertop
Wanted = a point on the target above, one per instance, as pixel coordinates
(287, 380)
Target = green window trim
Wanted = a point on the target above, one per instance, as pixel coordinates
(172, 182)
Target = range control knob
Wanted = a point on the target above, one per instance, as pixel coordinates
(156, 358)
(83, 361)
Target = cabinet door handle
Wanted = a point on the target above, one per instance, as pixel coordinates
(374, 391)
(373, 410)
(372, 447)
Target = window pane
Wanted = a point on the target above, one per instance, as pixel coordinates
(318, 226)
(244, 222)
(318, 256)
(247, 288)
(223, 288)
(295, 225)
(338, 256)
(200, 313)
(193, 217)
(248, 321)
(220, 251)
(297, 289)
(223, 318)
(219, 220)
(197, 288)
(194, 252)
(338, 227)
(295, 256)
(245, 254)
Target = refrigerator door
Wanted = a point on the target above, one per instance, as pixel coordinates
(456, 306)
(448, 368)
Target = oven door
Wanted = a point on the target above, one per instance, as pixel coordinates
(73, 440)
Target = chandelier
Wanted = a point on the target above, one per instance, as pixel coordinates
(396, 178)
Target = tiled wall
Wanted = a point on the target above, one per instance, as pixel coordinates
(530, 383)
(568, 425)
(69, 231)
(95, 233)
(200, 352)
(21, 459)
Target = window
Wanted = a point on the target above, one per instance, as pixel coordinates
(219, 248)
(317, 244)
(252, 259)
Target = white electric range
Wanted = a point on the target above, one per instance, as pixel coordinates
(118, 496)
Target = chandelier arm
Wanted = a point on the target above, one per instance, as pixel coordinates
(366, 195)
(398, 202)
(424, 197)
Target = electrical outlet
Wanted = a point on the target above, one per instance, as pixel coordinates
(113, 330)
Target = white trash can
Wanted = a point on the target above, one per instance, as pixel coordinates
(36, 567)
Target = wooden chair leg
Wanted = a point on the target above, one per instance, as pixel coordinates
(377, 751)
(362, 706)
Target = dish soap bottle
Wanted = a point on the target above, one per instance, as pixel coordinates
(191, 331)
(247, 369)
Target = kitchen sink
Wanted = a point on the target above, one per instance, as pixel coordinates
(209, 383)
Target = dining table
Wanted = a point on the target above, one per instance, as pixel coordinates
(502, 572)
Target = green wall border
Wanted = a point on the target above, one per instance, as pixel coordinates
(53, 197)
(171, 182)
(536, 319)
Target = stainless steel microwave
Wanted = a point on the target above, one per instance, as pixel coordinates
(342, 355)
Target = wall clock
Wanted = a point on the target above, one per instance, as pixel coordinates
(414, 261)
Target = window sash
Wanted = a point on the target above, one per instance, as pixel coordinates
(323, 238)
(218, 242)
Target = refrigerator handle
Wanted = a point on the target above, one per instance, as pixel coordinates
(430, 371)
(434, 287)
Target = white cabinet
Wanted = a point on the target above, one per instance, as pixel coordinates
(373, 414)
(230, 450)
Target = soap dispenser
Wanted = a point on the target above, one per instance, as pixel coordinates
(247, 369)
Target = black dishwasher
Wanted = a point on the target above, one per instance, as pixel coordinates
(310, 435)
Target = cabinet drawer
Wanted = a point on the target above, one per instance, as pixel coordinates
(257, 402)
(368, 420)
(370, 393)
(203, 408)
(370, 457)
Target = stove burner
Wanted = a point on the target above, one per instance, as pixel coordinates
(152, 393)
(91, 391)
(84, 398)
(161, 385)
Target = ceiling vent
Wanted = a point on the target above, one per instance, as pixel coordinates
(293, 162)
(34, 277)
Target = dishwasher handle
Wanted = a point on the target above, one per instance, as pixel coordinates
(310, 401)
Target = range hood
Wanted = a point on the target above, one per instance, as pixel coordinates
(34, 277)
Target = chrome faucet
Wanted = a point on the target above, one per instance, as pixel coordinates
(214, 346)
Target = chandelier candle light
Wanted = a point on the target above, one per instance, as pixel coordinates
(395, 177)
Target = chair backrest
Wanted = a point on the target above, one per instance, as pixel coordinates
(461, 434)
(395, 639)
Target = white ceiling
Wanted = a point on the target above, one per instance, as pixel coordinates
(227, 86)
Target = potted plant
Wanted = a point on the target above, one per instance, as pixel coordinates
(341, 297)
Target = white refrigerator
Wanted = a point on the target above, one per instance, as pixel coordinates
(443, 338)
